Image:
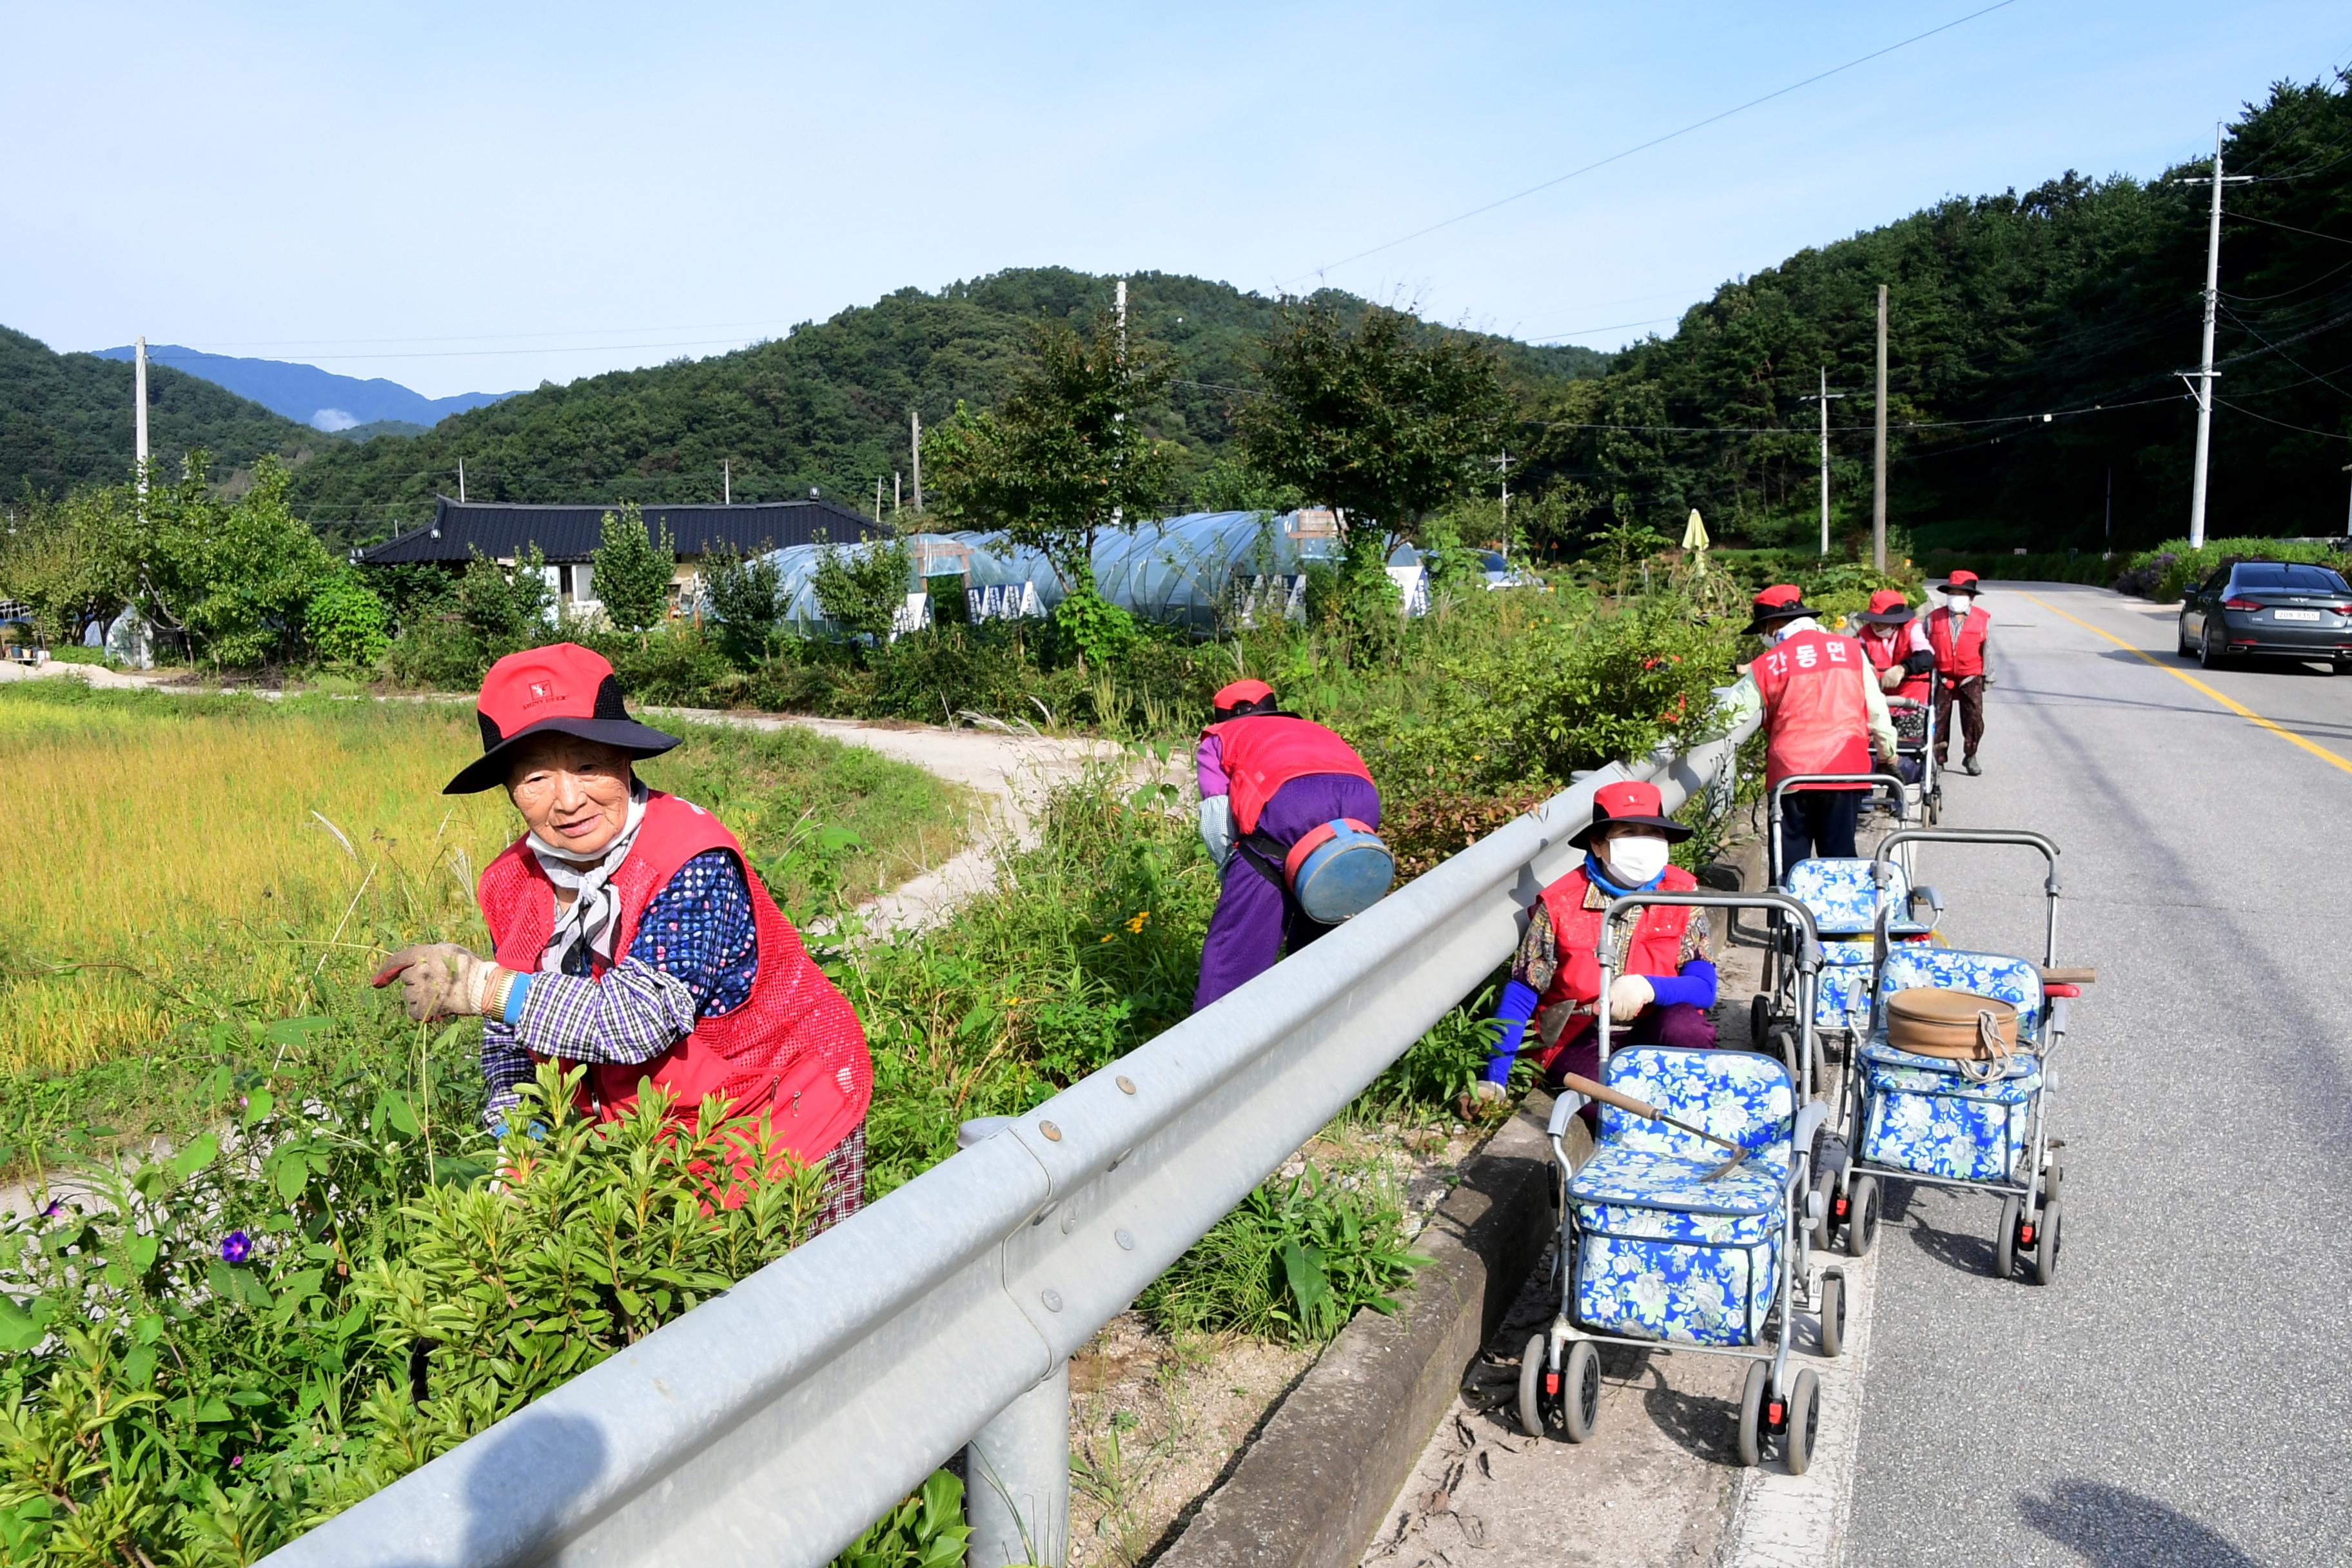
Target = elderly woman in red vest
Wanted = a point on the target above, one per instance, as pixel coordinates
(1267, 779)
(1898, 646)
(1959, 633)
(1666, 984)
(632, 938)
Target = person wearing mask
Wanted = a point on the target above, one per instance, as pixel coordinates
(1665, 984)
(631, 938)
(1959, 634)
(1823, 713)
(1267, 779)
(1898, 646)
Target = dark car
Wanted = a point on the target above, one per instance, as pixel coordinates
(2280, 608)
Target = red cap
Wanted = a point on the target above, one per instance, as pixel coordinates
(1241, 694)
(564, 688)
(1888, 599)
(1963, 579)
(1614, 805)
(1779, 596)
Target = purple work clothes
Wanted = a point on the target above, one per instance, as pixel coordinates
(1256, 917)
(1679, 1024)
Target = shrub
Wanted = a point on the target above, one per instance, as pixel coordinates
(2176, 567)
(1293, 1261)
(861, 588)
(633, 573)
(346, 623)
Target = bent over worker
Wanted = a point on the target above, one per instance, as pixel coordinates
(1267, 779)
(1958, 633)
(1665, 982)
(1898, 646)
(631, 938)
(1823, 713)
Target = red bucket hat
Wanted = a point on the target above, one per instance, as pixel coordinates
(563, 687)
(1888, 608)
(1242, 697)
(1781, 601)
(1961, 581)
(1630, 804)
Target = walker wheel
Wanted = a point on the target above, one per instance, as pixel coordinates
(1804, 1417)
(2045, 1245)
(1538, 1389)
(1581, 1392)
(1832, 1311)
(2005, 1239)
(1862, 1218)
(1759, 1020)
(1751, 1414)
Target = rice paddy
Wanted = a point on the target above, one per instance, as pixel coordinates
(168, 862)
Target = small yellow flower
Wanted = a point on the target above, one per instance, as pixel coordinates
(1106, 936)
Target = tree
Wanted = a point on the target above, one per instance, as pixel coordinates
(631, 573)
(345, 623)
(506, 611)
(745, 601)
(861, 588)
(235, 576)
(1384, 418)
(69, 560)
(1063, 456)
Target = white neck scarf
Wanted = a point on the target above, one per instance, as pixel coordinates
(594, 913)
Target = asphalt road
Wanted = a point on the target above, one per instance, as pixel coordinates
(2183, 1394)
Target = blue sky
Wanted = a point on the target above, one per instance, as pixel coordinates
(484, 196)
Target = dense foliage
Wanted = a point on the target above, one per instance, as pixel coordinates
(2079, 298)
(632, 570)
(67, 420)
(827, 404)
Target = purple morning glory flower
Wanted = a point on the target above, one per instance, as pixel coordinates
(55, 1209)
(236, 1246)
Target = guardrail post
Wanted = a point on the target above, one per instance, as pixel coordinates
(1017, 1480)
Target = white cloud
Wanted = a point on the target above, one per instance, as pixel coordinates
(331, 419)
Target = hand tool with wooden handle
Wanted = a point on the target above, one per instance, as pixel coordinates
(1648, 1112)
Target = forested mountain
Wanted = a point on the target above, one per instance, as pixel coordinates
(825, 407)
(309, 396)
(2080, 299)
(67, 420)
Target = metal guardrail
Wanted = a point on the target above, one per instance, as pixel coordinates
(773, 1425)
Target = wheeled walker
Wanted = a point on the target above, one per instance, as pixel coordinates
(1972, 1125)
(1689, 1227)
(1845, 897)
(1914, 740)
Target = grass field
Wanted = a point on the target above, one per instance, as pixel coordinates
(171, 861)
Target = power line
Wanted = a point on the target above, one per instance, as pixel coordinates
(2331, 435)
(2266, 223)
(1653, 141)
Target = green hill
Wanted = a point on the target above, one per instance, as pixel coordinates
(2079, 299)
(825, 405)
(67, 420)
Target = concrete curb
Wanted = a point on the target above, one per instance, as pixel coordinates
(1314, 1489)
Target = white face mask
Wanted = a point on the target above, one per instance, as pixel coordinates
(1634, 859)
(1958, 604)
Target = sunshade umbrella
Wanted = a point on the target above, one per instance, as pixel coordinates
(1695, 539)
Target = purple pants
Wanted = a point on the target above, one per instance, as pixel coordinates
(1256, 916)
(1678, 1025)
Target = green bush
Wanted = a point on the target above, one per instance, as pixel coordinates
(346, 623)
(1293, 1261)
(2169, 571)
(214, 1351)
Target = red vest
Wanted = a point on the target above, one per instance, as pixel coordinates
(1263, 752)
(793, 1048)
(1963, 654)
(1889, 647)
(1656, 947)
(1815, 717)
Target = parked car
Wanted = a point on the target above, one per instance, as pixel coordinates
(2283, 607)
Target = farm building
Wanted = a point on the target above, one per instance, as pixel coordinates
(568, 536)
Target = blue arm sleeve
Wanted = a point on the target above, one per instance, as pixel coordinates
(1693, 984)
(1519, 1005)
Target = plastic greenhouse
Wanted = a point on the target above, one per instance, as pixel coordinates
(1194, 570)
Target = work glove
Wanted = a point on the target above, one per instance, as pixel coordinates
(440, 980)
(1487, 1101)
(1891, 679)
(1627, 994)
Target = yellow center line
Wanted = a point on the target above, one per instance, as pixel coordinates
(2239, 709)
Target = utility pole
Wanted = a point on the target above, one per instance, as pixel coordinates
(1119, 513)
(1878, 463)
(915, 417)
(461, 481)
(1503, 467)
(2202, 377)
(898, 495)
(139, 419)
(2347, 514)
(727, 480)
(2107, 528)
(878, 498)
(1823, 399)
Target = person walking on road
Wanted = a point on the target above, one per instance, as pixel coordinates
(1823, 713)
(1898, 646)
(631, 938)
(1666, 984)
(1958, 633)
(1267, 779)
